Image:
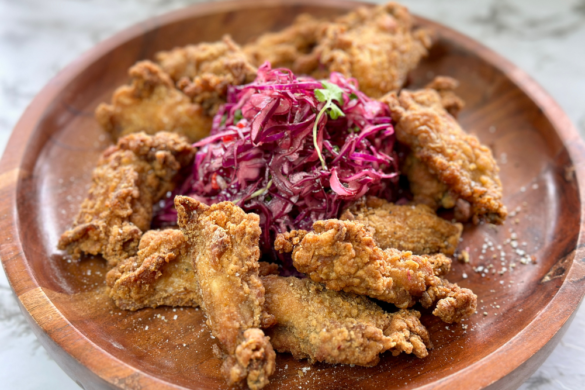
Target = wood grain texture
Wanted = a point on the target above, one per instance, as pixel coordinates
(47, 166)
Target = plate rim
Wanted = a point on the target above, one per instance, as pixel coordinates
(56, 332)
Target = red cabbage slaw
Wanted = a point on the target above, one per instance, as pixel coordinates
(261, 153)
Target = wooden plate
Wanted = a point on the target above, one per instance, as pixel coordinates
(46, 169)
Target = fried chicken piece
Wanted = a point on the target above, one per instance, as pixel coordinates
(129, 178)
(283, 48)
(151, 104)
(453, 302)
(458, 160)
(414, 228)
(344, 256)
(224, 247)
(336, 327)
(375, 45)
(205, 71)
(161, 274)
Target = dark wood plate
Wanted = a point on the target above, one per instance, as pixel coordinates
(46, 169)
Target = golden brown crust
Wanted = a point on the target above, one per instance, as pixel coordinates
(161, 274)
(344, 257)
(129, 178)
(453, 302)
(445, 86)
(224, 246)
(456, 158)
(414, 228)
(285, 242)
(377, 46)
(335, 327)
(152, 104)
(425, 186)
(283, 48)
(266, 269)
(205, 71)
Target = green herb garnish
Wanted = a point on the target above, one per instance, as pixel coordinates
(328, 94)
(237, 116)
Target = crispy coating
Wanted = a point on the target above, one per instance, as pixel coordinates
(453, 303)
(161, 274)
(414, 228)
(335, 327)
(151, 104)
(375, 45)
(224, 247)
(267, 269)
(344, 256)
(129, 178)
(205, 71)
(446, 86)
(283, 48)
(457, 159)
(425, 186)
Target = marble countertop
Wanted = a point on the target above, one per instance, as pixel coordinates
(38, 38)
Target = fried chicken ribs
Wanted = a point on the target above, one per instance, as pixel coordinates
(151, 104)
(223, 244)
(344, 257)
(180, 93)
(414, 228)
(378, 46)
(129, 178)
(205, 71)
(336, 327)
(447, 165)
(161, 274)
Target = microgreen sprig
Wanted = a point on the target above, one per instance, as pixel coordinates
(328, 94)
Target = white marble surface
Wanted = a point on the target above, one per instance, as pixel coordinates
(39, 37)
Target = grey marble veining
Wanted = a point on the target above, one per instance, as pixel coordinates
(39, 37)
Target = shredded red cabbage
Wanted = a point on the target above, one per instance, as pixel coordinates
(262, 156)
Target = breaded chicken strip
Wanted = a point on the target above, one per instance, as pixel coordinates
(160, 274)
(205, 71)
(129, 178)
(458, 160)
(344, 257)
(151, 104)
(377, 46)
(414, 228)
(224, 247)
(283, 48)
(335, 327)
